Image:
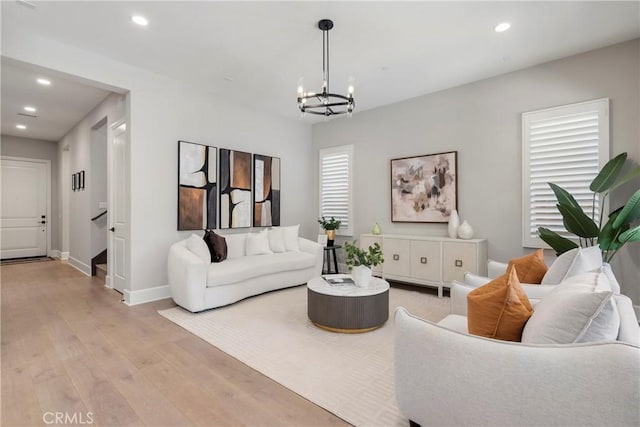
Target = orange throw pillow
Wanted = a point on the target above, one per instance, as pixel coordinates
(530, 268)
(499, 309)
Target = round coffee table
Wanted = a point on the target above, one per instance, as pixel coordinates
(347, 308)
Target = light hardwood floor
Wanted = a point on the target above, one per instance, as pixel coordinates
(69, 345)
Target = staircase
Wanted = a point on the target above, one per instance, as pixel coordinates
(101, 272)
(99, 265)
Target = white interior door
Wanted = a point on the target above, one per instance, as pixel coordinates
(117, 215)
(23, 212)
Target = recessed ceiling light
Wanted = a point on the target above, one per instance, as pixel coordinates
(140, 20)
(44, 82)
(30, 109)
(21, 126)
(503, 26)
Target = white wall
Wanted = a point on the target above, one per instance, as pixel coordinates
(98, 188)
(182, 113)
(162, 111)
(482, 121)
(38, 149)
(77, 205)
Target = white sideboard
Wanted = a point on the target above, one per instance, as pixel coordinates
(428, 261)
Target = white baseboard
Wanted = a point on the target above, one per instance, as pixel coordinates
(146, 295)
(54, 253)
(79, 265)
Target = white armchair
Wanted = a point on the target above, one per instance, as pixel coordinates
(444, 376)
(568, 264)
(494, 268)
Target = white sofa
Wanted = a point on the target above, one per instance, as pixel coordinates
(444, 376)
(196, 285)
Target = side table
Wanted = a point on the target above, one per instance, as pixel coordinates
(328, 251)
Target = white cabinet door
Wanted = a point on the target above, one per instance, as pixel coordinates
(396, 257)
(425, 260)
(365, 242)
(458, 258)
(428, 260)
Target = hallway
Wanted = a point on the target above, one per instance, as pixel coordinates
(69, 345)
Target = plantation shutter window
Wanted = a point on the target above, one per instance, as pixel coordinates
(567, 146)
(336, 164)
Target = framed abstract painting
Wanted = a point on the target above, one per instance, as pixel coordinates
(197, 186)
(266, 191)
(235, 189)
(424, 188)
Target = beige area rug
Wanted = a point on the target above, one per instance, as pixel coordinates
(350, 375)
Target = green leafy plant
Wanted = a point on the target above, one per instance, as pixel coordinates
(369, 257)
(329, 224)
(616, 232)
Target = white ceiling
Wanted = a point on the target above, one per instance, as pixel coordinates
(256, 52)
(58, 106)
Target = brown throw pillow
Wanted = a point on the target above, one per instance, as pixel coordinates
(217, 245)
(499, 309)
(530, 268)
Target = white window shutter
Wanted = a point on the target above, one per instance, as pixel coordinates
(567, 146)
(336, 165)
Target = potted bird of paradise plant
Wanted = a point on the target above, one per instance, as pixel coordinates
(589, 230)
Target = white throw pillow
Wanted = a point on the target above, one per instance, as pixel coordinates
(580, 309)
(258, 243)
(570, 263)
(615, 286)
(198, 246)
(235, 245)
(276, 240)
(291, 237)
(474, 280)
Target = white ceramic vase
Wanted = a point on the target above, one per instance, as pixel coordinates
(376, 229)
(361, 276)
(454, 223)
(465, 231)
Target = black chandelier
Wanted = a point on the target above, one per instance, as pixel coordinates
(325, 103)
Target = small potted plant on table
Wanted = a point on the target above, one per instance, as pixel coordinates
(360, 261)
(330, 226)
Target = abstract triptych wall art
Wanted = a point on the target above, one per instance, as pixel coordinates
(197, 186)
(266, 191)
(235, 189)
